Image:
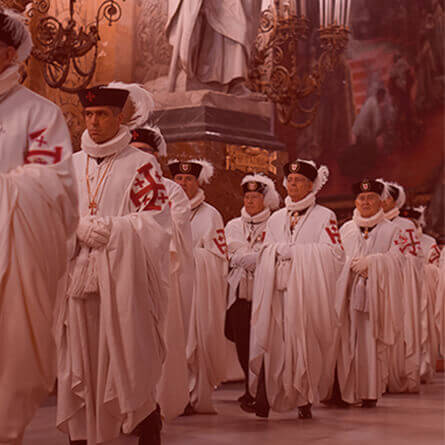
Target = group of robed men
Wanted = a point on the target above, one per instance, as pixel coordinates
(126, 285)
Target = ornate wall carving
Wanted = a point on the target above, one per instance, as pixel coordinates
(153, 53)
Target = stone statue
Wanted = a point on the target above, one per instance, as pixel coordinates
(211, 41)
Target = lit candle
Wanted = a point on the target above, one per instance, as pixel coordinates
(329, 21)
(303, 8)
(337, 12)
(326, 12)
(342, 12)
(348, 12)
(320, 4)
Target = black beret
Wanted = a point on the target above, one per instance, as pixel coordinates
(254, 186)
(185, 168)
(368, 186)
(409, 212)
(146, 136)
(103, 97)
(302, 168)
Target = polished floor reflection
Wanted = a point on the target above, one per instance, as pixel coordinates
(399, 420)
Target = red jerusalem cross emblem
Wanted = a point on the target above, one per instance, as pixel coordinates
(37, 154)
(334, 234)
(148, 192)
(220, 241)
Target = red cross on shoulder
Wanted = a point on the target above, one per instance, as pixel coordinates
(90, 96)
(148, 192)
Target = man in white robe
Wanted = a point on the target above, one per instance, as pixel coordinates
(211, 41)
(109, 326)
(291, 350)
(207, 347)
(245, 236)
(431, 256)
(405, 356)
(38, 215)
(173, 393)
(440, 305)
(368, 301)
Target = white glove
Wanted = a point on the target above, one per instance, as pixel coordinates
(94, 232)
(284, 250)
(248, 261)
(359, 265)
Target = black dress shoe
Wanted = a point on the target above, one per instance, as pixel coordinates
(305, 412)
(246, 398)
(189, 411)
(248, 407)
(369, 403)
(78, 442)
(149, 430)
(261, 411)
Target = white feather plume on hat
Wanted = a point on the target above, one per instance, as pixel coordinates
(141, 99)
(20, 33)
(271, 197)
(400, 202)
(320, 180)
(421, 220)
(207, 170)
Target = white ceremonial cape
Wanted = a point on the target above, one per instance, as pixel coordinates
(430, 249)
(244, 235)
(293, 320)
(429, 336)
(409, 348)
(439, 311)
(38, 213)
(173, 392)
(213, 38)
(207, 345)
(369, 311)
(110, 317)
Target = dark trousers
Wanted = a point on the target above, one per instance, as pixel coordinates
(261, 403)
(237, 330)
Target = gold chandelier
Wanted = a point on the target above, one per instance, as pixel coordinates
(277, 69)
(68, 53)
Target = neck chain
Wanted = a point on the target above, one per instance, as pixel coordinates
(92, 199)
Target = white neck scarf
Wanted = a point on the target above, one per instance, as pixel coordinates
(393, 213)
(256, 219)
(368, 222)
(111, 147)
(304, 203)
(198, 199)
(9, 79)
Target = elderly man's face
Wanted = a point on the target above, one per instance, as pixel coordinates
(102, 123)
(388, 204)
(368, 204)
(298, 186)
(147, 148)
(253, 203)
(189, 183)
(8, 55)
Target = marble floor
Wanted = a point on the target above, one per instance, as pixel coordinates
(399, 420)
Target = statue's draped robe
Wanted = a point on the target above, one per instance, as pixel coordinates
(293, 319)
(213, 38)
(111, 313)
(38, 214)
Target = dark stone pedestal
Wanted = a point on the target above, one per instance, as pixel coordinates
(235, 134)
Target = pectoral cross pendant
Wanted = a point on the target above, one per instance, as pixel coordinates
(93, 207)
(366, 234)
